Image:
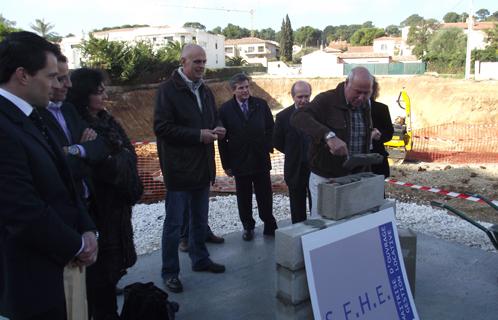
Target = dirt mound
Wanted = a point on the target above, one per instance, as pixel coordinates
(435, 101)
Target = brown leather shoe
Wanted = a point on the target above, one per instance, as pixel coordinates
(212, 238)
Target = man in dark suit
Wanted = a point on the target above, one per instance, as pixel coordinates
(245, 153)
(79, 143)
(293, 143)
(43, 224)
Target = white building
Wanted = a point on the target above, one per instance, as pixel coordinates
(478, 37)
(70, 48)
(253, 50)
(388, 45)
(213, 44)
(322, 64)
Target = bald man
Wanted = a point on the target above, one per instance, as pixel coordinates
(294, 144)
(340, 125)
(186, 125)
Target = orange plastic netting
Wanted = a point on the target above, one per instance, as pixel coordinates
(453, 143)
(154, 190)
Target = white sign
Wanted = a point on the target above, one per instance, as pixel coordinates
(355, 270)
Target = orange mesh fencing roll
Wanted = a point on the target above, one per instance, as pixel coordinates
(154, 190)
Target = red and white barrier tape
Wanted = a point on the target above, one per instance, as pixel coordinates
(438, 191)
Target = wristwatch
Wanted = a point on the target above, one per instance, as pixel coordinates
(330, 135)
(73, 150)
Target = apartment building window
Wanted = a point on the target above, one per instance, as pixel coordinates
(250, 49)
(228, 50)
(261, 48)
(216, 45)
(383, 47)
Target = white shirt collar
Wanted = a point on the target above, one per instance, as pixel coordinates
(193, 85)
(25, 107)
(57, 105)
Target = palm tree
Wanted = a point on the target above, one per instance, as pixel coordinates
(235, 61)
(43, 28)
(170, 52)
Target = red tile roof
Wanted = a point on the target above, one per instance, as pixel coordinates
(248, 40)
(477, 25)
(352, 49)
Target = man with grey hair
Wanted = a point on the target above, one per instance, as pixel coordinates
(294, 144)
(245, 153)
(186, 126)
(339, 124)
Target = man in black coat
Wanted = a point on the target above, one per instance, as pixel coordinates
(43, 224)
(294, 144)
(186, 125)
(245, 153)
(382, 130)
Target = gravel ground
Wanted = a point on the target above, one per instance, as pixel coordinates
(223, 219)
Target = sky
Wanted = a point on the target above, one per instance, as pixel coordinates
(82, 16)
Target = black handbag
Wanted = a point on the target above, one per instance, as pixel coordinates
(146, 301)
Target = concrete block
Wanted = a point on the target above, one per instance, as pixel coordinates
(288, 246)
(350, 195)
(408, 241)
(287, 311)
(292, 286)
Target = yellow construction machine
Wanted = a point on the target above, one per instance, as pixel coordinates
(402, 137)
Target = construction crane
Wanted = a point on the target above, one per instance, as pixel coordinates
(251, 12)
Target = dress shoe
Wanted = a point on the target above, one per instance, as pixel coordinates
(269, 229)
(248, 234)
(212, 267)
(212, 238)
(183, 246)
(174, 284)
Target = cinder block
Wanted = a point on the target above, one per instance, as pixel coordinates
(286, 311)
(292, 286)
(350, 195)
(288, 247)
(408, 241)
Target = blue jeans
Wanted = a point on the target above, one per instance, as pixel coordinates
(177, 203)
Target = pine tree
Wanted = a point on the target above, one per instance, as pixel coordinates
(289, 39)
(282, 41)
(286, 40)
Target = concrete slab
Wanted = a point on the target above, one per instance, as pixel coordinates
(453, 281)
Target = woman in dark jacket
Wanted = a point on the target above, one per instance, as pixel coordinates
(382, 132)
(115, 188)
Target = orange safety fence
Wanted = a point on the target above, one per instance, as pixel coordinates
(154, 190)
(456, 143)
